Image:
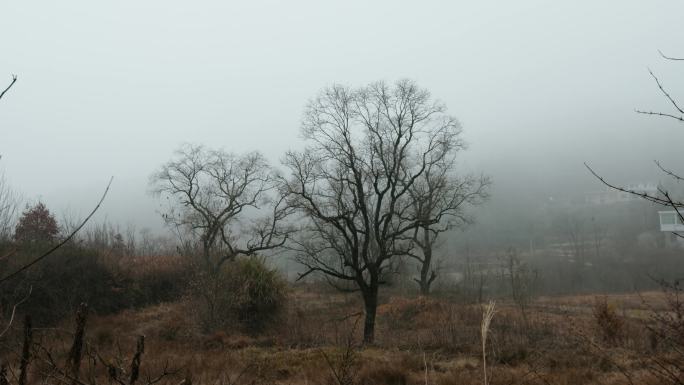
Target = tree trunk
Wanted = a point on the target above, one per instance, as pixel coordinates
(424, 287)
(426, 277)
(370, 301)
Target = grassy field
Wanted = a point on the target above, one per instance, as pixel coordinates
(420, 340)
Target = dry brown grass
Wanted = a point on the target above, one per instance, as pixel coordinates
(420, 341)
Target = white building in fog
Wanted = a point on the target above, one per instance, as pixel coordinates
(671, 222)
(611, 195)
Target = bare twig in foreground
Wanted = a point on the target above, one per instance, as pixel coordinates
(14, 80)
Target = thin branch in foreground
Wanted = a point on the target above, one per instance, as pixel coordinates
(667, 95)
(668, 172)
(9, 254)
(63, 242)
(668, 57)
(14, 80)
(14, 311)
(669, 98)
(651, 198)
(680, 118)
(665, 201)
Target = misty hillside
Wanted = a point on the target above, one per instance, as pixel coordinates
(341, 193)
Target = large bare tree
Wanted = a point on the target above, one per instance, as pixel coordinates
(440, 201)
(367, 147)
(226, 204)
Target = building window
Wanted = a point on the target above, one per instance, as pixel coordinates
(669, 218)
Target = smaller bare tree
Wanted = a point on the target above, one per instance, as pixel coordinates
(440, 200)
(216, 203)
(209, 194)
(523, 281)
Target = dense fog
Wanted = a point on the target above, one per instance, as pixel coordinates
(347, 193)
(540, 88)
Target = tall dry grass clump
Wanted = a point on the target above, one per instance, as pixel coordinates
(487, 316)
(610, 325)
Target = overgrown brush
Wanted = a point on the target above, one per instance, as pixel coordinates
(75, 274)
(58, 285)
(666, 330)
(609, 324)
(42, 360)
(245, 293)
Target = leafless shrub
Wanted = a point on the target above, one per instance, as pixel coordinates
(523, 280)
(666, 330)
(246, 293)
(345, 365)
(609, 323)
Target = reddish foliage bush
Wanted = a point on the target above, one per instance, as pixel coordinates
(36, 225)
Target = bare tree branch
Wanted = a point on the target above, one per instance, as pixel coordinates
(651, 198)
(667, 57)
(669, 98)
(439, 200)
(668, 172)
(680, 118)
(14, 80)
(14, 310)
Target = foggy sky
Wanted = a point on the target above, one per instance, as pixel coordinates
(112, 88)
